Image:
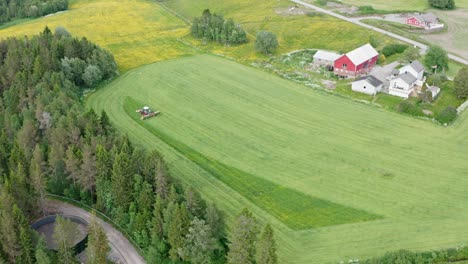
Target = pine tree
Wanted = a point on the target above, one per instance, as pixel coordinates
(266, 247)
(63, 235)
(242, 239)
(177, 230)
(98, 245)
(199, 245)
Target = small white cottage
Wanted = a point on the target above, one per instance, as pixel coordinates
(367, 84)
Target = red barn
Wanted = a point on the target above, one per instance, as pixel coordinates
(426, 21)
(357, 62)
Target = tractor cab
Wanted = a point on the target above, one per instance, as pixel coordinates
(146, 112)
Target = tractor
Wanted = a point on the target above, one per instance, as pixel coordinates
(146, 113)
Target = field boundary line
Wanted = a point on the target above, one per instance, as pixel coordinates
(175, 13)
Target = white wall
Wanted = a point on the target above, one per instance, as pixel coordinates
(409, 69)
(363, 86)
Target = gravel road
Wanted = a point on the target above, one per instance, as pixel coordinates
(122, 251)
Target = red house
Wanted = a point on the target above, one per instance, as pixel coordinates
(357, 62)
(427, 21)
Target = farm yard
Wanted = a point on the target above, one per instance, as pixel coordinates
(336, 178)
(348, 155)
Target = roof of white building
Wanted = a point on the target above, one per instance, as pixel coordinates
(417, 66)
(370, 79)
(362, 54)
(407, 77)
(434, 90)
(428, 17)
(326, 55)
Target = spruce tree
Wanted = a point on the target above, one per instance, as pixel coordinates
(121, 180)
(161, 179)
(177, 230)
(64, 231)
(41, 253)
(199, 245)
(243, 239)
(158, 219)
(266, 247)
(195, 203)
(38, 179)
(98, 245)
(26, 256)
(215, 220)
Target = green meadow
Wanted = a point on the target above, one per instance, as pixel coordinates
(338, 179)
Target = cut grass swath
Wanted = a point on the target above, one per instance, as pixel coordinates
(293, 208)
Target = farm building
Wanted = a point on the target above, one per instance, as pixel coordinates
(427, 21)
(434, 90)
(325, 58)
(367, 84)
(416, 69)
(402, 85)
(357, 62)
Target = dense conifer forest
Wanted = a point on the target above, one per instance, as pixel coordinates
(14, 9)
(49, 143)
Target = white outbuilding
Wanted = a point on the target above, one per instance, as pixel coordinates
(367, 84)
(325, 58)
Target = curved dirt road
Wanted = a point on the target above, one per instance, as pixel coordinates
(121, 249)
(356, 21)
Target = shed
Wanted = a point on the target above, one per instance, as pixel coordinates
(367, 84)
(434, 90)
(325, 58)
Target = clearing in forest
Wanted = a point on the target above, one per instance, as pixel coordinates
(338, 179)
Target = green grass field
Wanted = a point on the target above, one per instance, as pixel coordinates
(337, 179)
(245, 138)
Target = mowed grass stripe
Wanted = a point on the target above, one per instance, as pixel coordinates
(295, 209)
(410, 171)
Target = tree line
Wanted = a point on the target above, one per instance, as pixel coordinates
(213, 27)
(442, 4)
(14, 9)
(49, 143)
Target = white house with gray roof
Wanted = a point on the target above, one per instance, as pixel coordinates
(416, 69)
(367, 84)
(402, 85)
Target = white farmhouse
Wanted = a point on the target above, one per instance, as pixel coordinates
(325, 58)
(367, 84)
(402, 85)
(416, 69)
